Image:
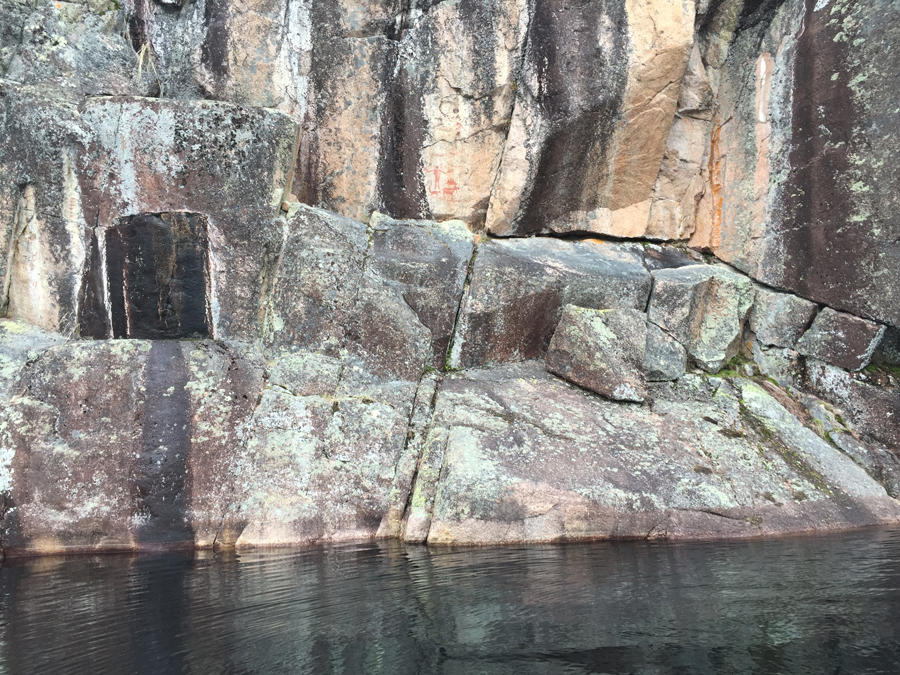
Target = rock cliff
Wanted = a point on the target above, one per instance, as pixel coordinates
(461, 272)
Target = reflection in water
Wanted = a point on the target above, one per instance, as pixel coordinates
(803, 605)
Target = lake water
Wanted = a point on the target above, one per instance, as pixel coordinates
(824, 604)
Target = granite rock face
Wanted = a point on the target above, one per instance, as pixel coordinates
(704, 308)
(601, 350)
(779, 319)
(800, 164)
(278, 272)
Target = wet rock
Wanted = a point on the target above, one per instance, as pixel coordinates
(779, 319)
(518, 288)
(664, 357)
(703, 307)
(601, 350)
(524, 459)
(841, 339)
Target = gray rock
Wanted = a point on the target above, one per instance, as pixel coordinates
(20, 343)
(316, 280)
(601, 350)
(873, 410)
(526, 458)
(703, 307)
(889, 349)
(519, 286)
(80, 46)
(782, 365)
(779, 319)
(841, 339)
(427, 262)
(879, 462)
(664, 358)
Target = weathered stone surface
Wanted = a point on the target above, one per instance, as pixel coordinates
(225, 162)
(664, 357)
(601, 350)
(79, 45)
(43, 243)
(452, 101)
(427, 262)
(19, 343)
(319, 466)
(316, 280)
(801, 167)
(526, 457)
(518, 288)
(841, 339)
(122, 445)
(889, 349)
(703, 307)
(779, 319)
(873, 410)
(595, 102)
(391, 301)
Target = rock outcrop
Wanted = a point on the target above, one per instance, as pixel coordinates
(281, 272)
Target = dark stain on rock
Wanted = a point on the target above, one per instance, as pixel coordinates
(581, 82)
(93, 321)
(214, 49)
(160, 468)
(400, 179)
(157, 276)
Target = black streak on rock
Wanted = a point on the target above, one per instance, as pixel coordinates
(159, 471)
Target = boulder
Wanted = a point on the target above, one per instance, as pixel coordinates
(601, 350)
(526, 457)
(841, 339)
(703, 307)
(518, 287)
(779, 319)
(664, 357)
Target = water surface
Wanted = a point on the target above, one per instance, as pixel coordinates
(828, 604)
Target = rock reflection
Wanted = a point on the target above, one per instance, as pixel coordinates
(804, 605)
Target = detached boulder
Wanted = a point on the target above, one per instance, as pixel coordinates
(841, 339)
(779, 319)
(601, 350)
(703, 307)
(518, 288)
